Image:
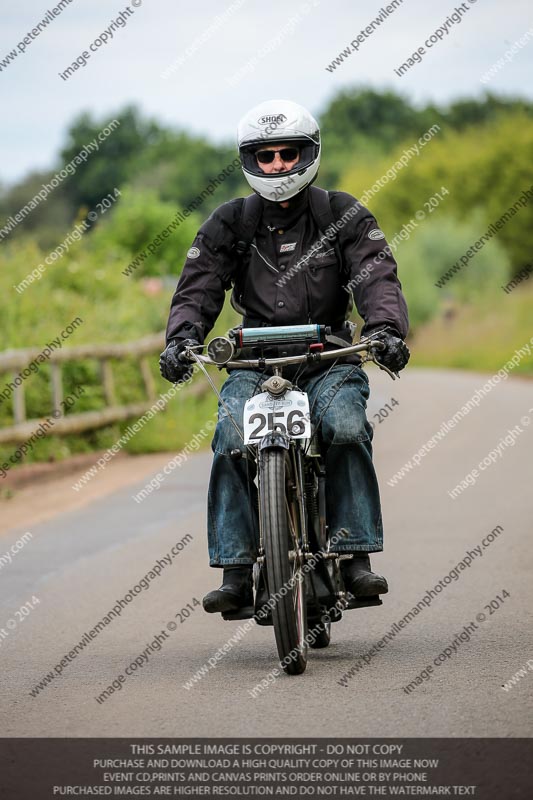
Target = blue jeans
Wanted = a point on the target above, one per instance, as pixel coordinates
(352, 496)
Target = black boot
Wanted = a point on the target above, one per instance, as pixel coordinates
(235, 592)
(262, 609)
(359, 578)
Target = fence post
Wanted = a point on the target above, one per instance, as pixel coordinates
(57, 388)
(108, 382)
(148, 379)
(19, 404)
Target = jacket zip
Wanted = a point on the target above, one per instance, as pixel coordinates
(308, 298)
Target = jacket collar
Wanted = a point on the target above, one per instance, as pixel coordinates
(275, 215)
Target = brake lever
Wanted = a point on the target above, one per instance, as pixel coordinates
(392, 374)
(372, 357)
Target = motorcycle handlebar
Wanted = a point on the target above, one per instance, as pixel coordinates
(189, 355)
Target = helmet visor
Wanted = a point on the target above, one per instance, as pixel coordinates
(255, 155)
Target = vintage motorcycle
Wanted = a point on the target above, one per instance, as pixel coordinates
(298, 583)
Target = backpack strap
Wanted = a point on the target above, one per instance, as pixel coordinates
(320, 205)
(251, 211)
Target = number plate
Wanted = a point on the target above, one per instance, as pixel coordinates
(290, 414)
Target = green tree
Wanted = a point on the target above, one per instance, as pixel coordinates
(48, 219)
(114, 163)
(484, 168)
(386, 116)
(464, 113)
(179, 167)
(360, 125)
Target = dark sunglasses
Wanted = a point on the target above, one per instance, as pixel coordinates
(286, 154)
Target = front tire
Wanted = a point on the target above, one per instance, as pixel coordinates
(280, 525)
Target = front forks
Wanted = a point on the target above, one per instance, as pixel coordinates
(297, 488)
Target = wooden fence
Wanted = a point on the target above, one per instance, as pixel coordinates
(15, 361)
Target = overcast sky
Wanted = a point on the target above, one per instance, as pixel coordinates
(205, 94)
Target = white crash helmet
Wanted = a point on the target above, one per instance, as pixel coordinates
(273, 122)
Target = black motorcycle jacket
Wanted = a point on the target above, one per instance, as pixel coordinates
(290, 274)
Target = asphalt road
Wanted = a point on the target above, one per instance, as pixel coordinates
(79, 564)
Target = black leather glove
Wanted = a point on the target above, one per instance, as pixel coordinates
(171, 366)
(395, 354)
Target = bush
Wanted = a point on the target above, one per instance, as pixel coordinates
(136, 222)
(432, 248)
(485, 169)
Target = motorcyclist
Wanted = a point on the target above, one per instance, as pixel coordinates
(279, 147)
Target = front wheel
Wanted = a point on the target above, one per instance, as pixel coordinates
(281, 533)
